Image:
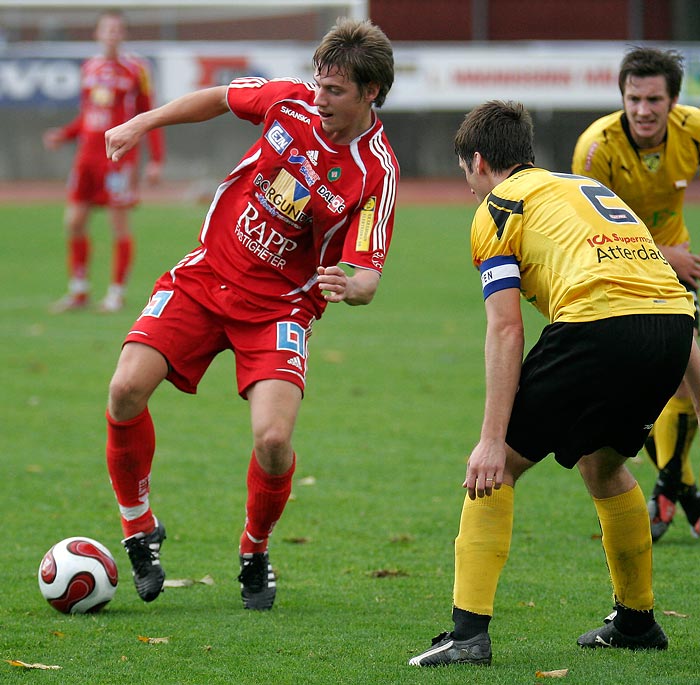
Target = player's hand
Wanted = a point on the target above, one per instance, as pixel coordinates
(120, 139)
(52, 139)
(153, 172)
(333, 282)
(686, 264)
(485, 468)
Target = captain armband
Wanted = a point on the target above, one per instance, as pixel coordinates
(499, 273)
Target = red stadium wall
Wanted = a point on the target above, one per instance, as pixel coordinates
(416, 20)
(409, 20)
(520, 20)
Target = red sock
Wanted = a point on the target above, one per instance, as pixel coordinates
(123, 256)
(130, 448)
(78, 255)
(267, 497)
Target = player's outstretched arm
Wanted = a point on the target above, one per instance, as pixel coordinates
(52, 138)
(201, 105)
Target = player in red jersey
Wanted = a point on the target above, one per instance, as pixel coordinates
(317, 189)
(114, 88)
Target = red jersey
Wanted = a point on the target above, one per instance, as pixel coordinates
(111, 92)
(297, 201)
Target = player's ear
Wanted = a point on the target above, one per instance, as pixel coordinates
(371, 92)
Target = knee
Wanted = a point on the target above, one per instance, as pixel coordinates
(273, 440)
(273, 448)
(605, 474)
(126, 398)
(139, 372)
(75, 225)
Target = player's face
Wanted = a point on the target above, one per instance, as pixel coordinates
(110, 33)
(647, 104)
(345, 112)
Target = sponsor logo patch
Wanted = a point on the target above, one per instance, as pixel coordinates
(291, 336)
(378, 259)
(278, 137)
(157, 303)
(652, 161)
(364, 229)
(285, 195)
(589, 156)
(263, 239)
(295, 362)
(307, 170)
(336, 203)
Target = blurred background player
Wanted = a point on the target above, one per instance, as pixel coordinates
(114, 88)
(648, 153)
(316, 189)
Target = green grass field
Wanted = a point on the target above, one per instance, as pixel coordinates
(364, 550)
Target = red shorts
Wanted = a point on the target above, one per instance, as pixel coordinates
(191, 317)
(105, 184)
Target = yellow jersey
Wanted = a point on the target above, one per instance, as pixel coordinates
(575, 250)
(651, 181)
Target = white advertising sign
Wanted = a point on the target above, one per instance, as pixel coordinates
(429, 77)
(557, 78)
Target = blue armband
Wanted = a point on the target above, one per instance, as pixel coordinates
(499, 273)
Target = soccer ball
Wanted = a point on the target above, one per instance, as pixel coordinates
(78, 575)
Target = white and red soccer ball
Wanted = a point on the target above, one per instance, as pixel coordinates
(78, 575)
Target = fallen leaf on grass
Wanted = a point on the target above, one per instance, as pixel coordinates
(179, 582)
(676, 614)
(387, 573)
(40, 667)
(154, 640)
(188, 582)
(402, 538)
(333, 356)
(559, 673)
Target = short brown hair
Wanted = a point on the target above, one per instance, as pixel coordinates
(501, 132)
(648, 61)
(362, 52)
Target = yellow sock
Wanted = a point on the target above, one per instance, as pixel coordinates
(624, 521)
(674, 431)
(481, 549)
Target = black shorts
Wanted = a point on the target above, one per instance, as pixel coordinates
(585, 386)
